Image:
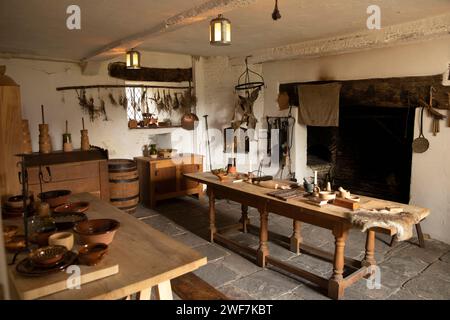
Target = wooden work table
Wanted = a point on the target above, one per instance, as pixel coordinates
(330, 217)
(146, 257)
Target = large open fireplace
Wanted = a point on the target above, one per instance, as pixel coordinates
(369, 153)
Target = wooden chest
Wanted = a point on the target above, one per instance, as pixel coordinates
(161, 179)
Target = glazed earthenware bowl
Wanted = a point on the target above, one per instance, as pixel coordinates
(67, 220)
(55, 198)
(81, 206)
(91, 254)
(16, 202)
(96, 231)
(47, 256)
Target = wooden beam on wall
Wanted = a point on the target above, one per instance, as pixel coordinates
(386, 92)
(120, 71)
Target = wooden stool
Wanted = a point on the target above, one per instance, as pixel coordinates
(419, 236)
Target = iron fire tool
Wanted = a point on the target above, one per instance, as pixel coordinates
(208, 144)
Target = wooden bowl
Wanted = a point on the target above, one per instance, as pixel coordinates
(81, 206)
(91, 254)
(47, 256)
(55, 198)
(327, 195)
(96, 230)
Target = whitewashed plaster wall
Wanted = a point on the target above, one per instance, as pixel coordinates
(215, 80)
(38, 81)
(430, 176)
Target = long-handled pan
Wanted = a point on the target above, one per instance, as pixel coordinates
(420, 144)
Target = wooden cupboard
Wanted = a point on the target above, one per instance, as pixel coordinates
(10, 136)
(161, 179)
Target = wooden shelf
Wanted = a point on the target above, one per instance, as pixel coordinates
(61, 157)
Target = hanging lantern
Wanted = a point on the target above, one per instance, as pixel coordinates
(220, 31)
(133, 59)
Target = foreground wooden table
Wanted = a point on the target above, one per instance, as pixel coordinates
(147, 258)
(330, 217)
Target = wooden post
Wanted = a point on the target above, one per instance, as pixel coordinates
(369, 258)
(335, 285)
(244, 219)
(164, 291)
(296, 238)
(212, 214)
(263, 250)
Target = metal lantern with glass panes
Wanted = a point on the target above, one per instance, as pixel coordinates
(133, 59)
(220, 31)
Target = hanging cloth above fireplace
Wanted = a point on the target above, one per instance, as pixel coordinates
(319, 104)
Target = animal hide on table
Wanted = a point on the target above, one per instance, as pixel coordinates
(402, 222)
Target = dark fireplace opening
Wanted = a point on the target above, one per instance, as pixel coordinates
(369, 154)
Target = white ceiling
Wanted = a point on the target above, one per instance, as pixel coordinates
(38, 27)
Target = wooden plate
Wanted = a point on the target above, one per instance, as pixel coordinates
(73, 207)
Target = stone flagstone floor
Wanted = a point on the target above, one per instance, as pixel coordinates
(407, 271)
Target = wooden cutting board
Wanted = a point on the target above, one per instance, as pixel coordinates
(28, 287)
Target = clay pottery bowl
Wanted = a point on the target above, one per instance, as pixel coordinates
(91, 254)
(67, 220)
(72, 207)
(64, 239)
(41, 237)
(16, 202)
(96, 230)
(327, 195)
(15, 243)
(55, 198)
(9, 232)
(47, 256)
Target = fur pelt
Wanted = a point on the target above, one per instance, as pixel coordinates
(403, 222)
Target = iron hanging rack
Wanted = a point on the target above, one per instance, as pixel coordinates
(123, 86)
(245, 76)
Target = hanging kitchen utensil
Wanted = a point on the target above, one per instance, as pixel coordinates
(189, 118)
(420, 144)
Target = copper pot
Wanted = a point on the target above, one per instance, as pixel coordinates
(188, 121)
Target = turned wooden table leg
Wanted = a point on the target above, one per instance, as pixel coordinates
(244, 219)
(335, 285)
(263, 250)
(296, 238)
(369, 258)
(212, 214)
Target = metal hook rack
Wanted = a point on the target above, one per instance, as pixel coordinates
(245, 76)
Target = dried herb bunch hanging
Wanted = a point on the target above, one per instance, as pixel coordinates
(88, 106)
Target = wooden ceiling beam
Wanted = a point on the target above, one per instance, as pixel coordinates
(409, 32)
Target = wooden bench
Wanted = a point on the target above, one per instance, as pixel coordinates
(191, 287)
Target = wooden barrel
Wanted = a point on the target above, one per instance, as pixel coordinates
(123, 184)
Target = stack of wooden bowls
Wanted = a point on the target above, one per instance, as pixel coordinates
(45, 144)
(26, 137)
